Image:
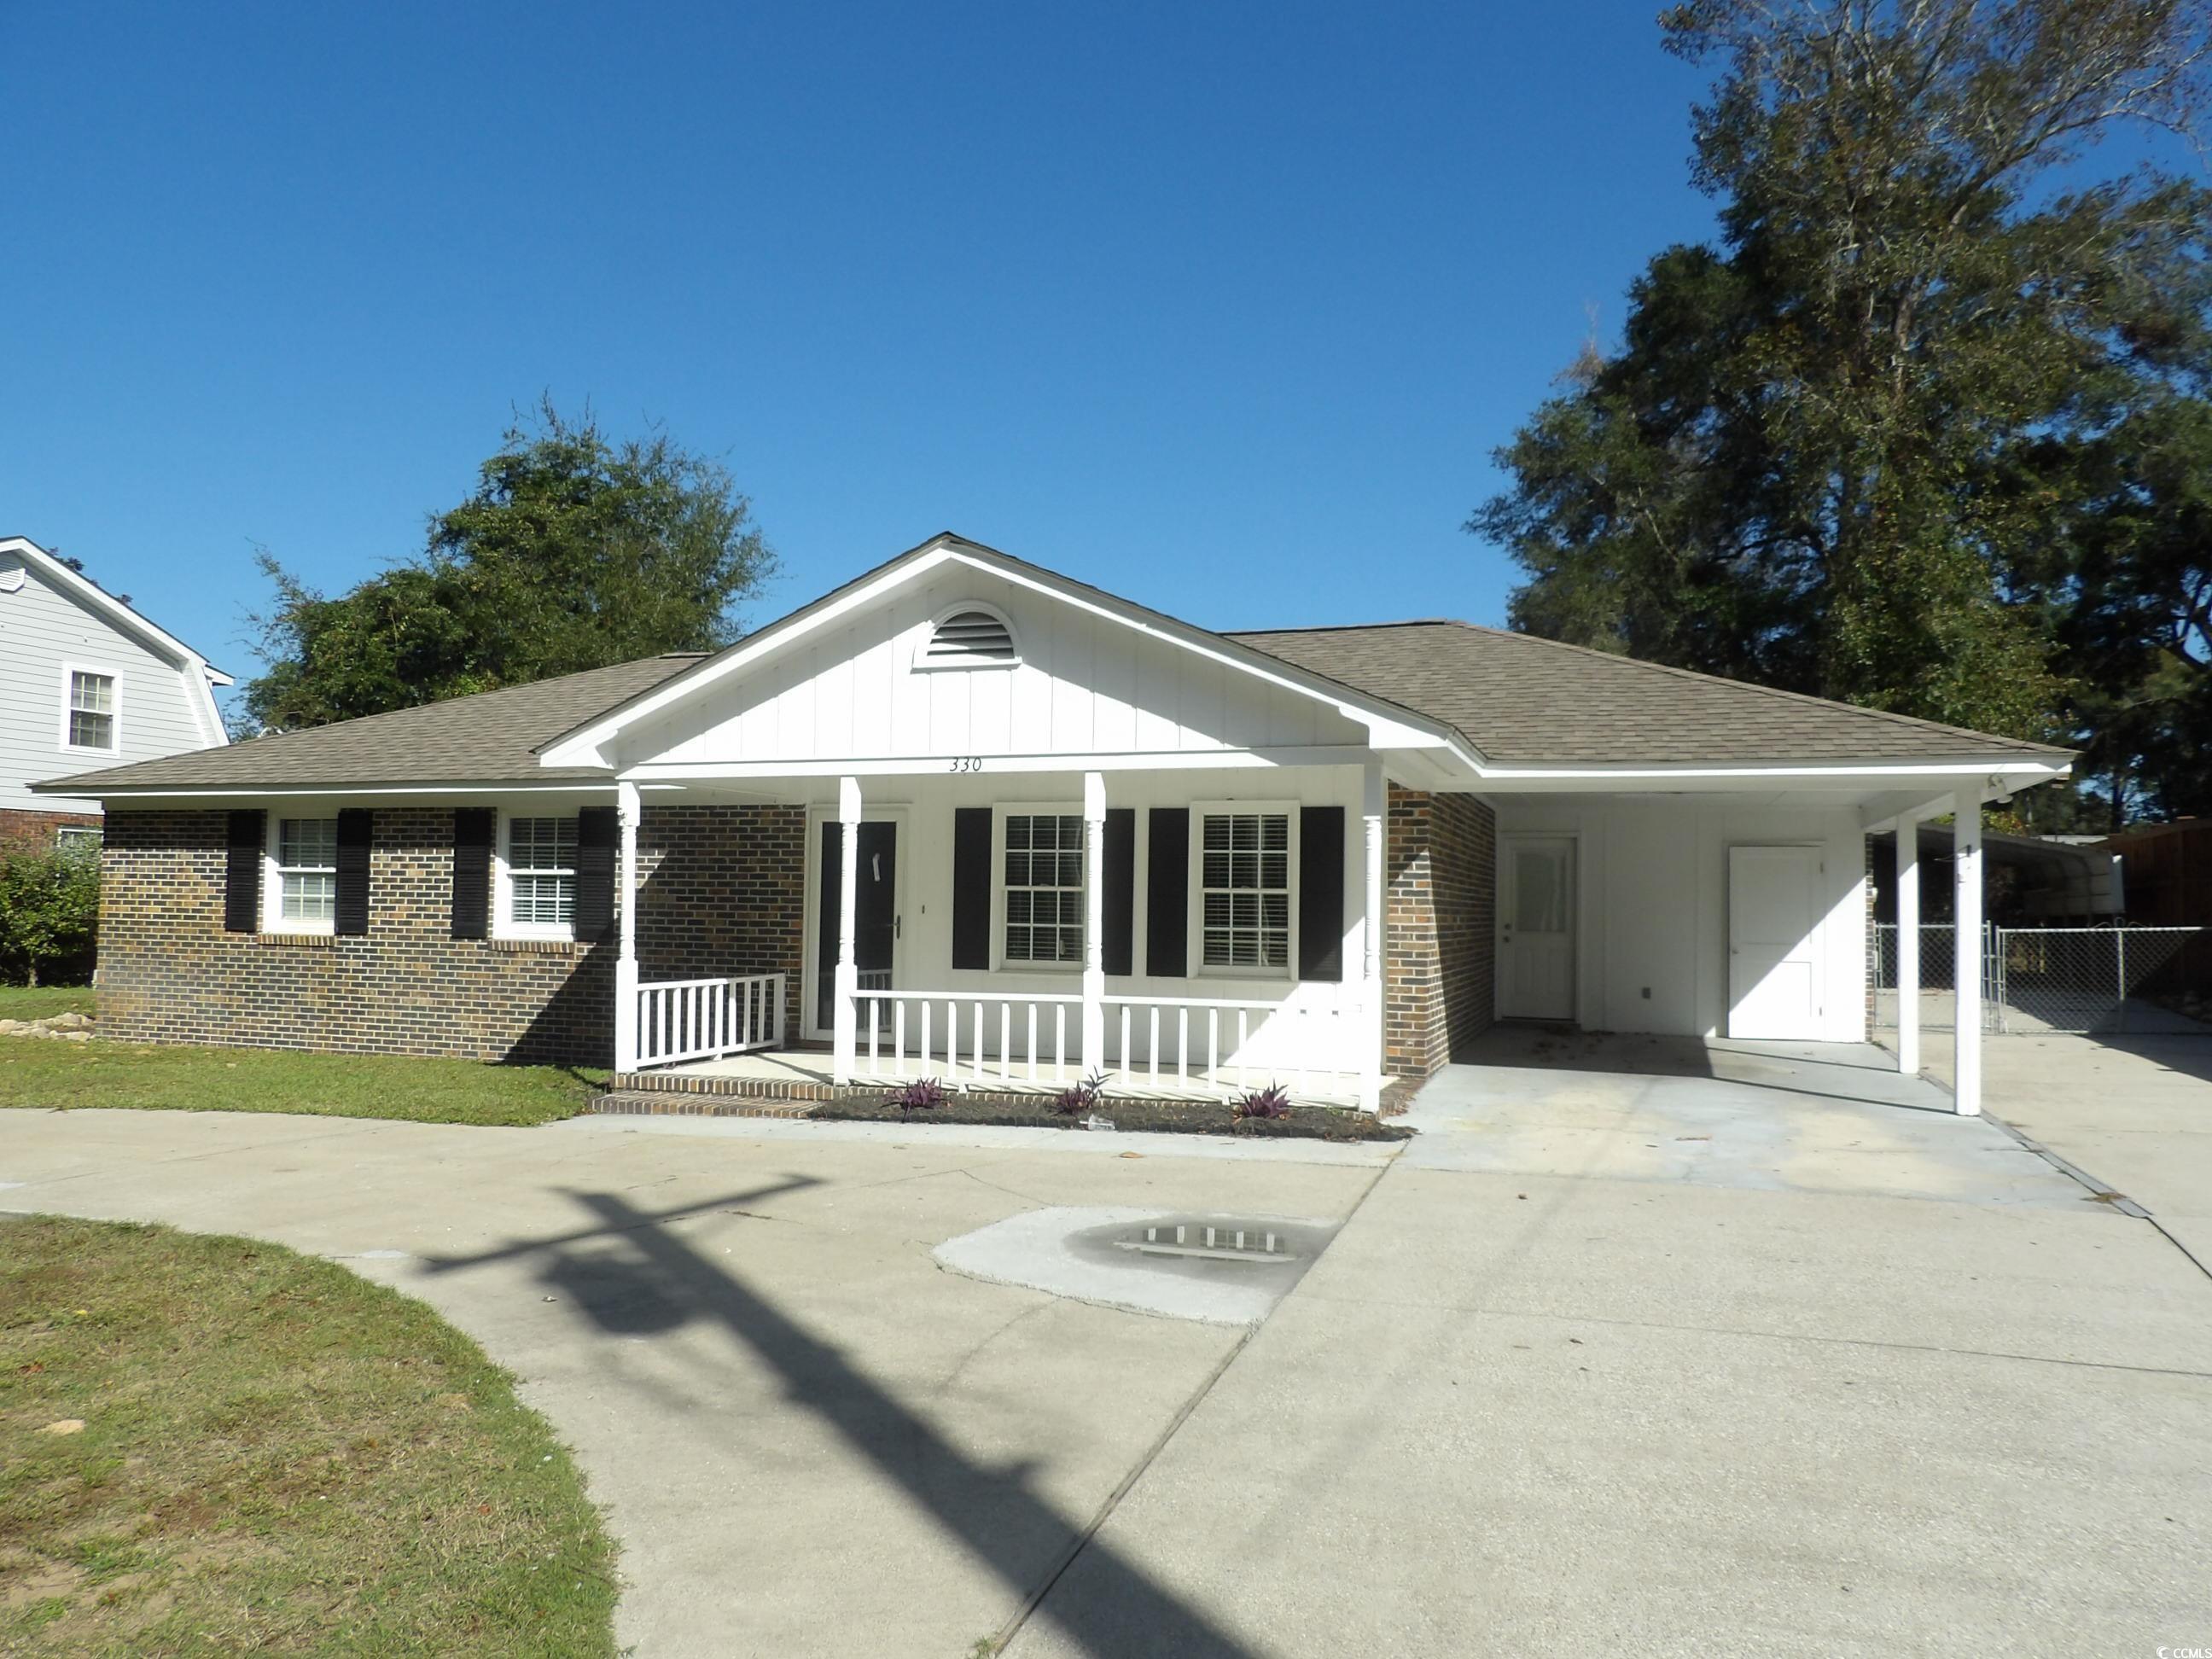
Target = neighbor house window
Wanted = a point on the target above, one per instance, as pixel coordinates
(1044, 888)
(91, 709)
(308, 871)
(1244, 891)
(541, 872)
(82, 838)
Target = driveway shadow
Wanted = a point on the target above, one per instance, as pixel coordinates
(659, 1283)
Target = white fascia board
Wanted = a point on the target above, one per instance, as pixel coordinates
(1170, 760)
(1388, 727)
(345, 791)
(1997, 776)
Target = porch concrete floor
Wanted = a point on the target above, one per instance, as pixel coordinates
(812, 1067)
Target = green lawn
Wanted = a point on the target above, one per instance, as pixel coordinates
(275, 1457)
(41, 1001)
(44, 1072)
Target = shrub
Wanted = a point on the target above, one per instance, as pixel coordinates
(924, 1094)
(1273, 1101)
(49, 915)
(1079, 1098)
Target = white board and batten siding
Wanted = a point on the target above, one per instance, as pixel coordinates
(1655, 932)
(44, 633)
(1086, 684)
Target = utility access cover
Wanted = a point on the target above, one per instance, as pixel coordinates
(1219, 1269)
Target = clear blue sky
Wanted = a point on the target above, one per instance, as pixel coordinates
(1221, 306)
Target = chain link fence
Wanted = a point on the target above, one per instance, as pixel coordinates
(2033, 979)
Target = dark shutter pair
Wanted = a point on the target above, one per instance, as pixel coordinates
(1167, 897)
(599, 835)
(246, 845)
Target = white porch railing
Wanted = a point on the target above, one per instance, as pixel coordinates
(1006, 1035)
(680, 1019)
(1206, 1045)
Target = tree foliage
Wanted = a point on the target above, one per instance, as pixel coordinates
(1924, 429)
(49, 914)
(574, 550)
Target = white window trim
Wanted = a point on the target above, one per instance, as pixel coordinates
(1000, 811)
(66, 833)
(503, 925)
(69, 671)
(1194, 921)
(925, 664)
(273, 918)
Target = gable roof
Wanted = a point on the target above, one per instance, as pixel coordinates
(110, 606)
(489, 738)
(1522, 699)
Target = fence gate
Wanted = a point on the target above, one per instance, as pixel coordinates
(2033, 979)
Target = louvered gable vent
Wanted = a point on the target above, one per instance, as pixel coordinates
(969, 638)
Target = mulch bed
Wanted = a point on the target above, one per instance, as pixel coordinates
(1165, 1116)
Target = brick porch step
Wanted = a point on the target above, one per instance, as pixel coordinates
(680, 1103)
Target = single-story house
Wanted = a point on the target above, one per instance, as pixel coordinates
(967, 817)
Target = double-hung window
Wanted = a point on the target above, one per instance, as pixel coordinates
(306, 871)
(541, 873)
(1244, 891)
(91, 710)
(1045, 888)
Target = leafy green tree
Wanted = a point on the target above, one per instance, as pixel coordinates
(1855, 448)
(49, 913)
(573, 551)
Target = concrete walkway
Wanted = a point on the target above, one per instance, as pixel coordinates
(1722, 1352)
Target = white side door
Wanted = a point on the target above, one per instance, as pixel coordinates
(1536, 936)
(1775, 921)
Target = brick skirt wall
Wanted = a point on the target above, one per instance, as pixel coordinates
(721, 893)
(24, 830)
(1441, 872)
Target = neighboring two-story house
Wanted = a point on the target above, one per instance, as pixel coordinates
(85, 681)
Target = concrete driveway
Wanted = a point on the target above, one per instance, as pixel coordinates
(1615, 1353)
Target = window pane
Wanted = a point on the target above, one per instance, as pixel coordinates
(1043, 887)
(308, 843)
(91, 731)
(310, 897)
(546, 900)
(1244, 880)
(93, 693)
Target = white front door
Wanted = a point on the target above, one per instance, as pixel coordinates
(1775, 919)
(1536, 900)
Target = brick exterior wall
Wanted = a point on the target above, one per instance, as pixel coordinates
(24, 830)
(1440, 866)
(721, 893)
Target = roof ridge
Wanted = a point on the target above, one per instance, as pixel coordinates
(1891, 715)
(1349, 627)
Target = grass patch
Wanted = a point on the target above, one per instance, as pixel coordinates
(41, 1072)
(276, 1457)
(44, 1001)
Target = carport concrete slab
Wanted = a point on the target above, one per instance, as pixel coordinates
(1556, 1414)
(1824, 1118)
(811, 1440)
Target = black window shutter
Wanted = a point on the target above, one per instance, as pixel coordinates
(1167, 893)
(971, 887)
(350, 916)
(241, 871)
(1320, 893)
(598, 833)
(473, 827)
(1118, 894)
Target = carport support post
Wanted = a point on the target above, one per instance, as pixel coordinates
(626, 810)
(843, 1028)
(1966, 971)
(1094, 926)
(1908, 945)
(1373, 797)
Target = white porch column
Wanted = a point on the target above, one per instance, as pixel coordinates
(1908, 945)
(1094, 925)
(844, 1026)
(1374, 800)
(1966, 971)
(626, 811)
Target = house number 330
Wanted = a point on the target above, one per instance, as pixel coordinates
(967, 763)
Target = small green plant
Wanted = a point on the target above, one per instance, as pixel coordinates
(1077, 1099)
(1272, 1102)
(924, 1094)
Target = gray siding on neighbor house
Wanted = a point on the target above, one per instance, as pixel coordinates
(160, 711)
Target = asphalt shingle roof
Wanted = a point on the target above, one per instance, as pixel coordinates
(489, 738)
(1519, 698)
